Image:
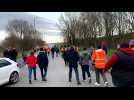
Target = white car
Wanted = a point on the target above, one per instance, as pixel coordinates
(9, 71)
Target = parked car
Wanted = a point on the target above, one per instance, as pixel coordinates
(9, 71)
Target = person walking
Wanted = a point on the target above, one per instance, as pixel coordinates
(31, 62)
(52, 52)
(62, 50)
(73, 58)
(13, 54)
(121, 64)
(35, 53)
(24, 57)
(65, 54)
(42, 61)
(6, 53)
(99, 59)
(77, 49)
(57, 51)
(104, 46)
(48, 50)
(45, 50)
(85, 62)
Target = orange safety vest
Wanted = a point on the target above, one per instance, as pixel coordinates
(99, 57)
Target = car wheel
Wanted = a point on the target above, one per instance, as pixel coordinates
(14, 78)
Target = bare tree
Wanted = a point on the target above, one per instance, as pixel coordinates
(21, 28)
(91, 27)
(26, 34)
(130, 21)
(109, 23)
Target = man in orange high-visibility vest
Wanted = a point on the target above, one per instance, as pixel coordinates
(99, 59)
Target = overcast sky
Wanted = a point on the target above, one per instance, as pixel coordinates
(45, 22)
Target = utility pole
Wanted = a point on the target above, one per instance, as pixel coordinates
(43, 34)
(34, 22)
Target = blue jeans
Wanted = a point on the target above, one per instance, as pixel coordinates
(30, 73)
(76, 73)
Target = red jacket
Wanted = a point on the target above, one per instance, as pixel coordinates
(114, 58)
(31, 61)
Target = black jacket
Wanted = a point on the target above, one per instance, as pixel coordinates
(6, 54)
(13, 54)
(52, 50)
(42, 59)
(73, 58)
(65, 54)
(123, 71)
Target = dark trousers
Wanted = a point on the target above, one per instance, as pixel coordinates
(43, 72)
(30, 73)
(14, 59)
(117, 84)
(57, 54)
(52, 55)
(76, 73)
(121, 83)
(85, 69)
(66, 63)
(98, 72)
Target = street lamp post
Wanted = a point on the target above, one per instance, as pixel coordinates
(34, 21)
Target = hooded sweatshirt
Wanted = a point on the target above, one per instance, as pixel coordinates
(84, 58)
(42, 59)
(114, 58)
(122, 67)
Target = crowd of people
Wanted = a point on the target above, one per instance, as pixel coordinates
(120, 64)
(11, 53)
(73, 58)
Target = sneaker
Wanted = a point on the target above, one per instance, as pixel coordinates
(35, 78)
(97, 84)
(84, 80)
(106, 84)
(90, 80)
(30, 82)
(78, 83)
(69, 80)
(44, 79)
